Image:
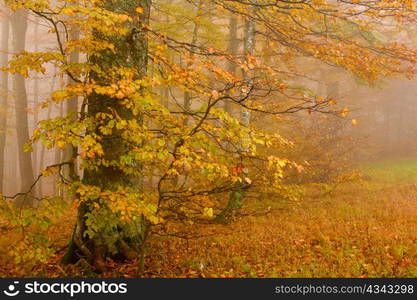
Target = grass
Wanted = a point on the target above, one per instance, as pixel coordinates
(394, 170)
(360, 230)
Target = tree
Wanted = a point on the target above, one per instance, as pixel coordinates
(237, 195)
(36, 101)
(129, 52)
(19, 26)
(4, 90)
(187, 94)
(70, 153)
(126, 135)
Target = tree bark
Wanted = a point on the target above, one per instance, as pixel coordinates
(187, 94)
(232, 49)
(35, 105)
(237, 195)
(70, 152)
(19, 27)
(4, 92)
(130, 52)
(43, 148)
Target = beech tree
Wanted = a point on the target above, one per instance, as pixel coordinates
(4, 90)
(19, 26)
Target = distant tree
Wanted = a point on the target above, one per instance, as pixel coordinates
(19, 26)
(4, 93)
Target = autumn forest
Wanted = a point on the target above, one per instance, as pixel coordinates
(208, 138)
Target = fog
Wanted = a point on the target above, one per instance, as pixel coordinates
(381, 122)
(199, 138)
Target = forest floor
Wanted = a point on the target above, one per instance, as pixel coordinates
(358, 230)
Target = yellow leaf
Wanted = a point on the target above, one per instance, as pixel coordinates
(215, 94)
(248, 180)
(344, 112)
(354, 122)
(208, 212)
(61, 144)
(124, 18)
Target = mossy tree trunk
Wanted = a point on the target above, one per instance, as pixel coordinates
(131, 51)
(227, 215)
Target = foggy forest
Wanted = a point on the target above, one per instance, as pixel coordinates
(208, 138)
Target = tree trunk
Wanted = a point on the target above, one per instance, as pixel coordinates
(4, 91)
(130, 52)
(43, 148)
(70, 152)
(35, 105)
(19, 26)
(237, 195)
(232, 49)
(187, 94)
(248, 50)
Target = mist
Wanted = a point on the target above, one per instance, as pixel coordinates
(131, 127)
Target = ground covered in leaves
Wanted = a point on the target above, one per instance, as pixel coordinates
(362, 229)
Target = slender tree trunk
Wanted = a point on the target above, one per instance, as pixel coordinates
(165, 90)
(57, 189)
(4, 91)
(187, 94)
(42, 154)
(58, 155)
(232, 49)
(248, 50)
(226, 215)
(35, 152)
(131, 53)
(249, 41)
(19, 27)
(237, 195)
(70, 152)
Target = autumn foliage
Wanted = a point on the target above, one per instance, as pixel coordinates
(178, 128)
